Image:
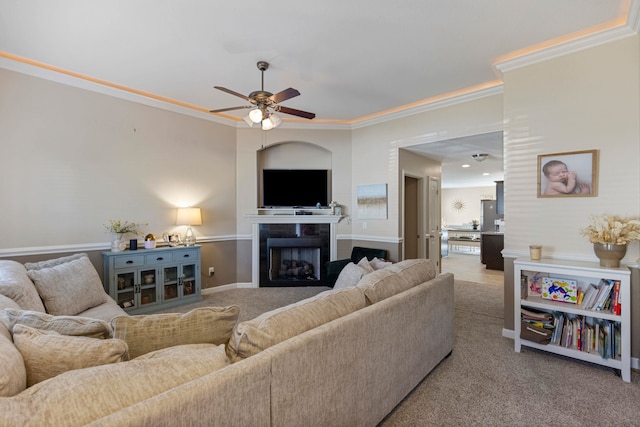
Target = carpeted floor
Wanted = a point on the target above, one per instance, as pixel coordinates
(485, 382)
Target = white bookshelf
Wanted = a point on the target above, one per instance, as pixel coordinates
(584, 273)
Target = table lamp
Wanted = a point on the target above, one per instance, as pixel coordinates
(189, 217)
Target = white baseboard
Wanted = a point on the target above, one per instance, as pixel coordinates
(213, 290)
(508, 333)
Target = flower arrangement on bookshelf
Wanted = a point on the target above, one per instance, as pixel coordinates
(610, 235)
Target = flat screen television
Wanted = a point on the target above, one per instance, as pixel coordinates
(295, 187)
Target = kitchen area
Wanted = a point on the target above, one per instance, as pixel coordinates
(482, 236)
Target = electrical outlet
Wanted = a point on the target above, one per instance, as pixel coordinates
(211, 271)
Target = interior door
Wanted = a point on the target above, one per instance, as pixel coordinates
(411, 218)
(434, 233)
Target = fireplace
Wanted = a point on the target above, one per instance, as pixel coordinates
(293, 254)
(294, 259)
(281, 236)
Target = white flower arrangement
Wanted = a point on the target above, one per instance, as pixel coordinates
(122, 227)
(612, 229)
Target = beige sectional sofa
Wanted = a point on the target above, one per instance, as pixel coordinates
(345, 357)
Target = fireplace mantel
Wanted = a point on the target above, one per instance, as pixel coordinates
(294, 219)
(287, 216)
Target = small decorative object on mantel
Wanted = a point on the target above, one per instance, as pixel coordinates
(610, 235)
(118, 229)
(475, 223)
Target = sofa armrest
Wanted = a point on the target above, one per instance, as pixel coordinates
(333, 269)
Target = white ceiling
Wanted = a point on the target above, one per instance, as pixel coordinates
(349, 59)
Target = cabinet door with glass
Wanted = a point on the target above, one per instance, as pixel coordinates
(136, 288)
(144, 281)
(181, 280)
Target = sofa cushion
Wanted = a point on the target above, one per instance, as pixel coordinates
(70, 287)
(185, 352)
(382, 284)
(270, 328)
(349, 276)
(47, 353)
(415, 271)
(16, 285)
(13, 374)
(212, 325)
(64, 325)
(84, 395)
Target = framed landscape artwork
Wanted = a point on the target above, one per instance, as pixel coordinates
(571, 174)
(372, 201)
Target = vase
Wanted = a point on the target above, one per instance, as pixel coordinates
(117, 242)
(609, 254)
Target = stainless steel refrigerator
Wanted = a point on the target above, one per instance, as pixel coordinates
(489, 215)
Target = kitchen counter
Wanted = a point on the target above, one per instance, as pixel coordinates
(491, 246)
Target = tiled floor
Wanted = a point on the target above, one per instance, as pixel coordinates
(468, 267)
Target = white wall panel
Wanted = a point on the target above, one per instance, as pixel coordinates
(585, 100)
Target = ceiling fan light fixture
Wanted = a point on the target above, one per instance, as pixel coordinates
(267, 124)
(480, 157)
(255, 115)
(275, 120)
(248, 120)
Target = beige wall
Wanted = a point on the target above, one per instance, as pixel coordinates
(375, 149)
(582, 101)
(73, 159)
(585, 100)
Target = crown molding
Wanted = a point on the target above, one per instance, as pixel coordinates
(446, 101)
(572, 46)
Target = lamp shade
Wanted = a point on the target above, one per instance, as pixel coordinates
(189, 216)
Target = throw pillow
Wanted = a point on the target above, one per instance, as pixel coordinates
(69, 288)
(15, 284)
(13, 375)
(212, 325)
(270, 328)
(64, 325)
(349, 276)
(364, 264)
(47, 353)
(52, 262)
(379, 264)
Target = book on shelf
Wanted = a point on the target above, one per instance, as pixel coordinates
(589, 296)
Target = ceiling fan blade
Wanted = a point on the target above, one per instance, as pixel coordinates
(220, 110)
(229, 91)
(295, 112)
(284, 95)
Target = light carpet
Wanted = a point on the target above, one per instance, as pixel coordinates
(485, 382)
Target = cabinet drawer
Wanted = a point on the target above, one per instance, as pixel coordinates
(128, 261)
(158, 258)
(186, 255)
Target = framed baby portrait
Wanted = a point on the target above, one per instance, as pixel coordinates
(572, 174)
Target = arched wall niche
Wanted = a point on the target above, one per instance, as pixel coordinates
(293, 155)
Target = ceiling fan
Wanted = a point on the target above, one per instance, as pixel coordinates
(265, 104)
